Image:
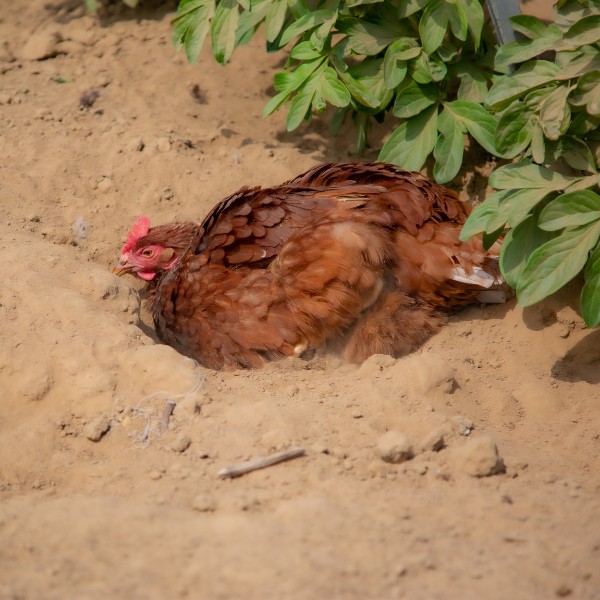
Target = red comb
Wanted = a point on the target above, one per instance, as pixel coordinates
(139, 229)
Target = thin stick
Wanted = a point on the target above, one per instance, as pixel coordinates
(260, 463)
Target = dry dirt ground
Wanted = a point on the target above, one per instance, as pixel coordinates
(131, 517)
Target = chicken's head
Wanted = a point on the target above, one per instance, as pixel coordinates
(143, 255)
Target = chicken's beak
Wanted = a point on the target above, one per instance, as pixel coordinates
(122, 267)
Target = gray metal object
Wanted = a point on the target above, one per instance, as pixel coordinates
(500, 11)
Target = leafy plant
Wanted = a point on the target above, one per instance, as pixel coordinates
(549, 112)
(92, 5)
(427, 61)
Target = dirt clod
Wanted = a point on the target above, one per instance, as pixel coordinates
(394, 447)
(182, 443)
(96, 429)
(479, 457)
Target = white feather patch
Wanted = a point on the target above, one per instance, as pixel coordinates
(478, 277)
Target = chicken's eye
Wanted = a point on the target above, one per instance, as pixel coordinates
(147, 253)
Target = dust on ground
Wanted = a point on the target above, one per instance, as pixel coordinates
(499, 412)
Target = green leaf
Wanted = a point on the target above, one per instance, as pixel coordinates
(337, 121)
(276, 103)
(357, 89)
(303, 99)
(437, 68)
(590, 302)
(581, 62)
(395, 60)
(538, 150)
(449, 148)
(304, 51)
(250, 20)
(592, 268)
(320, 36)
(414, 98)
(529, 76)
(91, 5)
(480, 217)
(529, 26)
(585, 31)
(556, 262)
(553, 110)
(410, 7)
(571, 210)
(368, 38)
(305, 23)
(223, 30)
(489, 239)
(518, 246)
(447, 51)
(477, 120)
(353, 3)
(524, 174)
(245, 4)
(583, 183)
(575, 152)
(298, 8)
(588, 92)
(435, 20)
(522, 50)
(362, 123)
(405, 48)
(583, 123)
(519, 205)
(514, 129)
(412, 142)
(369, 73)
(286, 82)
(185, 15)
(333, 89)
(199, 26)
(418, 69)
(473, 84)
(275, 19)
(475, 17)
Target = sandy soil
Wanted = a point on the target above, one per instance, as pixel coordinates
(132, 519)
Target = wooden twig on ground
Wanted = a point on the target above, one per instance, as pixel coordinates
(260, 463)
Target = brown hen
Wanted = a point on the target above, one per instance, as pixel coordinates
(365, 256)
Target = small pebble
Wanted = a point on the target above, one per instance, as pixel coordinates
(204, 503)
(394, 447)
(163, 144)
(106, 185)
(339, 452)
(357, 414)
(155, 475)
(96, 429)
(181, 443)
(34, 218)
(348, 465)
(563, 590)
(479, 457)
(462, 425)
